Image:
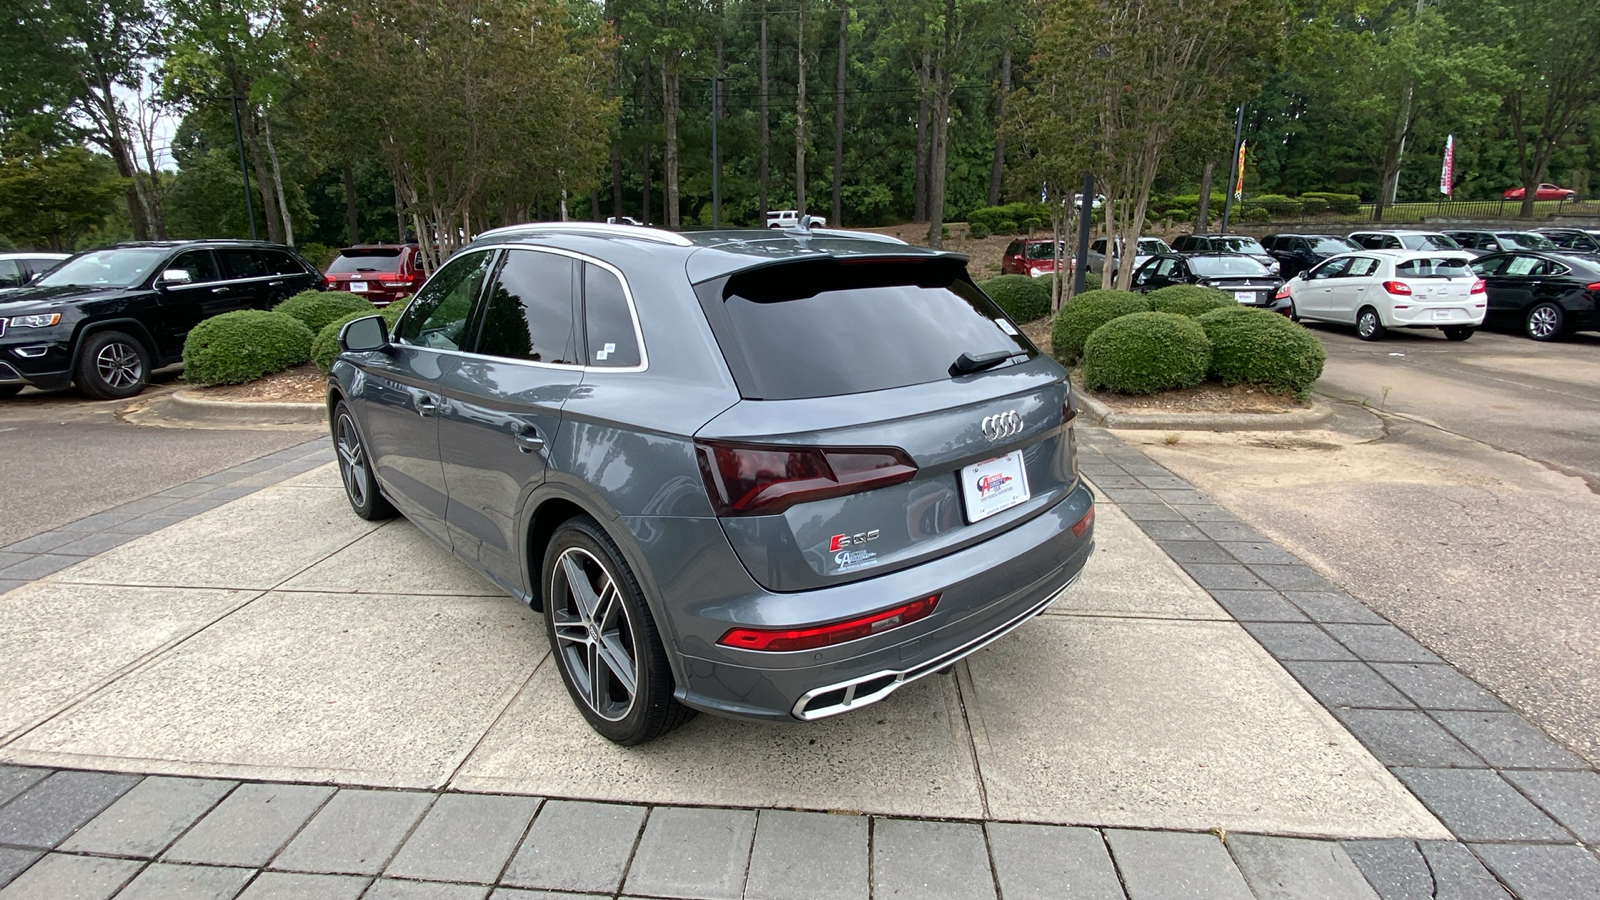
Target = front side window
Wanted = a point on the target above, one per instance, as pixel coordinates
(1489, 265)
(199, 264)
(607, 320)
(438, 316)
(1333, 268)
(528, 315)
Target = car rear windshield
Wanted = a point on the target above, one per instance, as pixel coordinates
(1428, 242)
(832, 327)
(1241, 245)
(1331, 245)
(1214, 266)
(384, 260)
(1434, 267)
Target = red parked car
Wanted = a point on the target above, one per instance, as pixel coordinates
(1543, 192)
(382, 273)
(1032, 257)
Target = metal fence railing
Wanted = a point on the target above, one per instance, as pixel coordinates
(1280, 212)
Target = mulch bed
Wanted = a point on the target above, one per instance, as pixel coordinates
(304, 383)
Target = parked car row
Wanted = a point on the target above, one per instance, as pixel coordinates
(104, 319)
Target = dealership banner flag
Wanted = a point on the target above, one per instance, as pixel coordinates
(1447, 174)
(1238, 186)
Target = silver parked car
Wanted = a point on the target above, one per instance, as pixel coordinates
(766, 475)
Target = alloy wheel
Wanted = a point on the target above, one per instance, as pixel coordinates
(119, 365)
(1543, 322)
(593, 635)
(352, 462)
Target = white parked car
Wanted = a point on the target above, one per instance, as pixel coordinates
(1148, 247)
(790, 218)
(1377, 290)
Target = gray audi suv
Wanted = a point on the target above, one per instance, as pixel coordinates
(765, 474)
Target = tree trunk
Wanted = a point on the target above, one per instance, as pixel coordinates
(940, 140)
(400, 225)
(919, 189)
(1202, 216)
(277, 179)
(800, 115)
(616, 145)
(258, 161)
(999, 167)
(763, 165)
(644, 171)
(669, 152)
(838, 119)
(352, 221)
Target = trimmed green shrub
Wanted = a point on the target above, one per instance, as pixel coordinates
(1005, 226)
(326, 345)
(1257, 346)
(1032, 223)
(977, 231)
(1144, 353)
(244, 345)
(990, 217)
(1189, 299)
(1257, 214)
(317, 308)
(1086, 312)
(1344, 204)
(1024, 298)
(1313, 206)
(1091, 282)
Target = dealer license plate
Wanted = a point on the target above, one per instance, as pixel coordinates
(358, 287)
(1443, 313)
(1245, 296)
(994, 485)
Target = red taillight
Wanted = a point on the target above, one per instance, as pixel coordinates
(1083, 524)
(1479, 287)
(1592, 287)
(760, 480)
(1282, 294)
(783, 639)
(1398, 288)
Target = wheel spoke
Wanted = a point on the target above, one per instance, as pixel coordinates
(616, 659)
(583, 594)
(598, 683)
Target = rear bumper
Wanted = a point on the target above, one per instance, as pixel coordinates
(1437, 315)
(986, 590)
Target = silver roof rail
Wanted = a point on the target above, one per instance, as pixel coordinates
(639, 232)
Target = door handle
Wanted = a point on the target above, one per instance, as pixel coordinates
(220, 290)
(274, 284)
(529, 441)
(427, 405)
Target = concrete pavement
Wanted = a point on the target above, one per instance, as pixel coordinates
(1198, 679)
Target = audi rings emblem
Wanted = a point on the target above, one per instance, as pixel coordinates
(1002, 425)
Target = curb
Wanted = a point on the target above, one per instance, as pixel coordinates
(184, 405)
(1295, 420)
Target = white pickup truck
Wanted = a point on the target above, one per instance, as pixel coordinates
(790, 218)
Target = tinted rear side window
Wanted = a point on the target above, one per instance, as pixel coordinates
(241, 263)
(281, 263)
(607, 322)
(529, 311)
(822, 329)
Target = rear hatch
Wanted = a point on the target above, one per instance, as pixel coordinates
(891, 413)
(362, 270)
(1244, 277)
(1440, 280)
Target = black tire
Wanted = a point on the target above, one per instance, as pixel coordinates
(355, 468)
(1458, 332)
(7, 391)
(111, 366)
(1369, 325)
(1545, 322)
(591, 641)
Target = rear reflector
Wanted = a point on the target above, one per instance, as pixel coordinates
(784, 639)
(1398, 288)
(762, 480)
(1083, 524)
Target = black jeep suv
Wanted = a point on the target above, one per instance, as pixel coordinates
(105, 318)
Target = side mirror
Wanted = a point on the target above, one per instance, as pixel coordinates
(1491, 247)
(364, 335)
(172, 277)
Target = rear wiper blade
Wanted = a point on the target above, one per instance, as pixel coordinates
(966, 363)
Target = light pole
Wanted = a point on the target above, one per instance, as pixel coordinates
(244, 174)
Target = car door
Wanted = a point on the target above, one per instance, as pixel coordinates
(399, 395)
(1514, 287)
(181, 305)
(1154, 274)
(288, 277)
(1349, 288)
(246, 276)
(1314, 298)
(500, 412)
